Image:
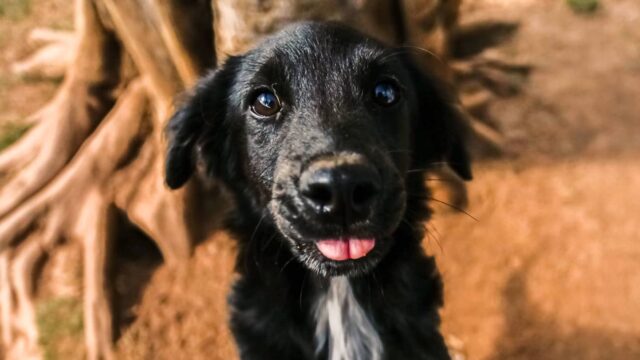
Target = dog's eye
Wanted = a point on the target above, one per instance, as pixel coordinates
(386, 93)
(266, 103)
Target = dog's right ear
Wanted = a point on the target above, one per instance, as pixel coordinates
(204, 112)
(441, 128)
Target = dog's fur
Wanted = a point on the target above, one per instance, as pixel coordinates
(289, 301)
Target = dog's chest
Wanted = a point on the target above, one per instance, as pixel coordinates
(343, 326)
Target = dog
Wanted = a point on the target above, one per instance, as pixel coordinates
(322, 136)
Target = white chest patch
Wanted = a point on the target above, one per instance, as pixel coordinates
(342, 324)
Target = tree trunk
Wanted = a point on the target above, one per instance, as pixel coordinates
(95, 154)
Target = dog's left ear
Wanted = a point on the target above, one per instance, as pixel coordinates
(441, 128)
(200, 122)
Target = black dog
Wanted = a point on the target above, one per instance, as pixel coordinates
(322, 134)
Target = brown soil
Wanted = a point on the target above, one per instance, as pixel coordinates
(551, 269)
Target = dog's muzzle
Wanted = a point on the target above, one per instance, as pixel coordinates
(341, 190)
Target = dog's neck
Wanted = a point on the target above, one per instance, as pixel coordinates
(343, 326)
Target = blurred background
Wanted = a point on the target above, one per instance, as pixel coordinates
(99, 260)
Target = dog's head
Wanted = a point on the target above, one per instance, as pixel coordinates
(319, 127)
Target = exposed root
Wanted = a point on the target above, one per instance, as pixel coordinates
(61, 137)
(6, 297)
(97, 230)
(44, 120)
(481, 80)
(160, 213)
(471, 39)
(23, 151)
(102, 151)
(55, 207)
(477, 102)
(482, 74)
(22, 278)
(475, 58)
(501, 76)
(486, 141)
(83, 100)
(52, 59)
(18, 285)
(48, 35)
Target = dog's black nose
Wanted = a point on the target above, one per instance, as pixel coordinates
(341, 192)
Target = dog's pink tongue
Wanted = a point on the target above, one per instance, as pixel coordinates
(344, 249)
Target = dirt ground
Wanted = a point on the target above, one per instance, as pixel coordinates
(551, 267)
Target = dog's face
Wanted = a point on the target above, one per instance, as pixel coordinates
(318, 128)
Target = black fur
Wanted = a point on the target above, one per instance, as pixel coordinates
(324, 75)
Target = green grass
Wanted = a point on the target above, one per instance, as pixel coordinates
(583, 6)
(10, 133)
(15, 9)
(59, 319)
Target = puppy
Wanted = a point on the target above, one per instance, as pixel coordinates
(322, 136)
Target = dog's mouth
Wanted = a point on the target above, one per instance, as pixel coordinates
(346, 248)
(330, 249)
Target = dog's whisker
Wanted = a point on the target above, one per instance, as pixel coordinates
(253, 238)
(413, 228)
(430, 236)
(268, 242)
(287, 263)
(261, 176)
(255, 230)
(375, 278)
(423, 50)
(433, 226)
(395, 151)
(457, 208)
(304, 282)
(440, 179)
(281, 244)
(267, 180)
(431, 198)
(431, 168)
(407, 48)
(425, 231)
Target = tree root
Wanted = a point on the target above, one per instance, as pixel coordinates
(54, 209)
(483, 74)
(470, 39)
(486, 141)
(23, 151)
(82, 101)
(125, 146)
(98, 218)
(52, 59)
(77, 153)
(60, 137)
(501, 76)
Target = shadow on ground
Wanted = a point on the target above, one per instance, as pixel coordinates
(532, 334)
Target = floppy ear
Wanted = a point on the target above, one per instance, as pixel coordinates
(441, 126)
(202, 115)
